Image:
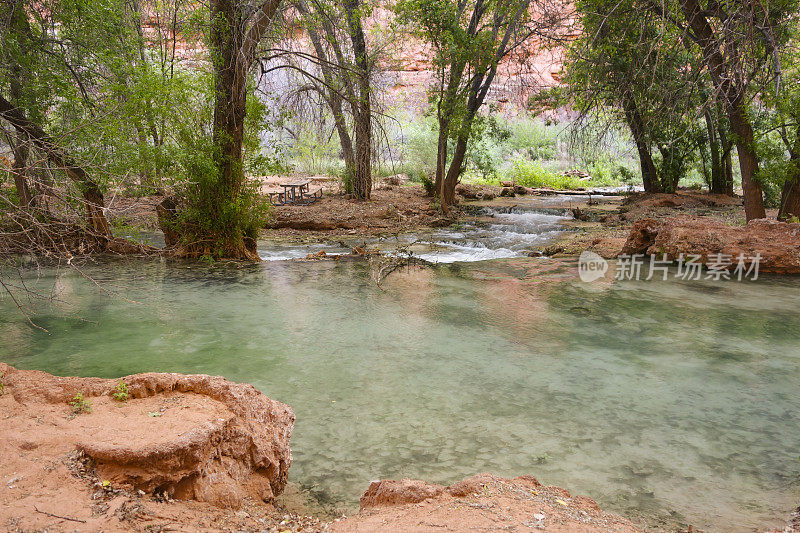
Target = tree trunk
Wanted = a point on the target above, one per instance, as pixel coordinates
(790, 195)
(362, 108)
(92, 194)
(19, 147)
(636, 125)
(345, 140)
(231, 66)
(329, 91)
(717, 185)
(14, 21)
(731, 90)
(362, 181)
(230, 85)
(453, 173)
(748, 163)
(481, 82)
(727, 161)
(649, 172)
(441, 156)
(445, 110)
(790, 199)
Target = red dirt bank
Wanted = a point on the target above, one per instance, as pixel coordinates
(777, 243)
(178, 437)
(199, 453)
(482, 502)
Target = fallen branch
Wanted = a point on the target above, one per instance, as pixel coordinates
(396, 263)
(59, 516)
(20, 307)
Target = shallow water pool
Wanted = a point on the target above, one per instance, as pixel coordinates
(672, 401)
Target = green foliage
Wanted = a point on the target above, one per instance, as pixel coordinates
(257, 123)
(775, 169)
(468, 41)
(630, 65)
(417, 147)
(120, 392)
(80, 405)
(536, 139)
(120, 228)
(207, 219)
(533, 174)
(347, 180)
(315, 152)
(499, 144)
(608, 171)
(487, 137)
(429, 185)
(779, 124)
(2, 385)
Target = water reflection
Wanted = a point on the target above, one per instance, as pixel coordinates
(656, 398)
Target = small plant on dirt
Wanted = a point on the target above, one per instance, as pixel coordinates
(2, 385)
(121, 392)
(80, 405)
(429, 186)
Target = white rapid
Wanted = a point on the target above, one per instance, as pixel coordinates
(494, 233)
(497, 234)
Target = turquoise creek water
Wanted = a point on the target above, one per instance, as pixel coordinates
(669, 401)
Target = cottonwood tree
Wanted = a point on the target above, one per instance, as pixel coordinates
(631, 67)
(739, 42)
(340, 69)
(54, 58)
(470, 38)
(718, 141)
(734, 55)
(783, 125)
(237, 28)
(732, 47)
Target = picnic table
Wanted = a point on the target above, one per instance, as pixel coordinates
(296, 192)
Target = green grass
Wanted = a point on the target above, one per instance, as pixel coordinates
(532, 174)
(537, 175)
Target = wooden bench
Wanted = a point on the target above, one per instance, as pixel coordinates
(277, 198)
(309, 196)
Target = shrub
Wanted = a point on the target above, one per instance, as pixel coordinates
(206, 221)
(531, 174)
(80, 405)
(121, 392)
(533, 138)
(429, 185)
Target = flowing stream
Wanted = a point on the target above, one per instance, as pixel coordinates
(671, 401)
(492, 233)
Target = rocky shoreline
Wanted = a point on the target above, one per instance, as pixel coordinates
(173, 452)
(189, 452)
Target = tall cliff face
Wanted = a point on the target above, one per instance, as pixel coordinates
(405, 71)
